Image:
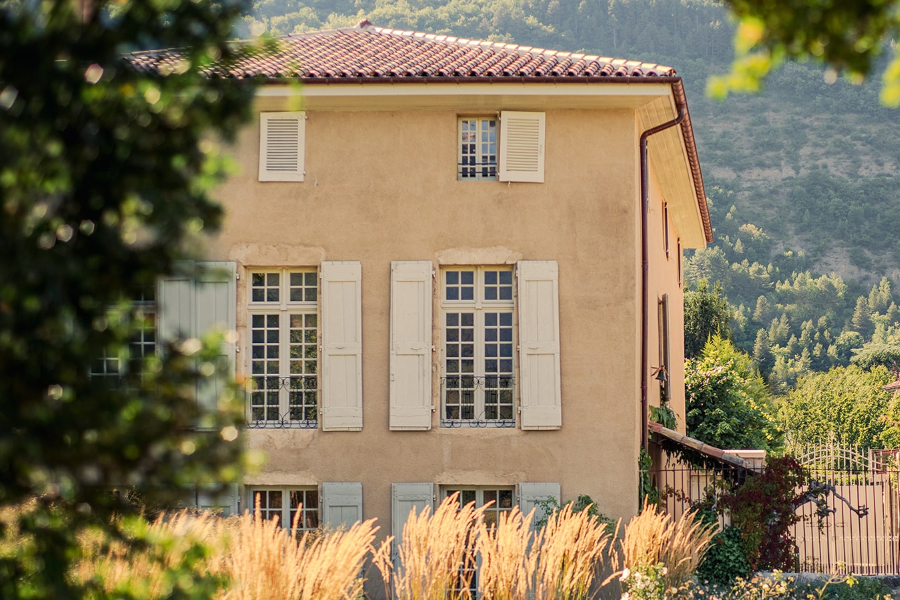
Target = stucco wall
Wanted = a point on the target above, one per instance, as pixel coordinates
(381, 186)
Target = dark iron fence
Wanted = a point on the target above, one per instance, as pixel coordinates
(859, 530)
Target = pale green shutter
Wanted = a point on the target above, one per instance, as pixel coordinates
(175, 305)
(539, 365)
(530, 494)
(225, 502)
(341, 346)
(216, 297)
(341, 503)
(406, 497)
(411, 345)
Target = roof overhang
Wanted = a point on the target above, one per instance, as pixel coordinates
(667, 437)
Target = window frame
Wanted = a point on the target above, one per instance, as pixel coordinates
(284, 308)
(143, 308)
(665, 217)
(286, 509)
(474, 562)
(480, 307)
(481, 170)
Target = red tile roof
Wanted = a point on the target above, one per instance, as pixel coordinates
(370, 53)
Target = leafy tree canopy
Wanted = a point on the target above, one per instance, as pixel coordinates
(728, 403)
(706, 314)
(845, 402)
(846, 35)
(104, 180)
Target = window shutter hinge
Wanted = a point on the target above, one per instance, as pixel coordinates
(237, 276)
(237, 349)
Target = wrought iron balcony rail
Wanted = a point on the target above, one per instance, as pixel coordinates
(496, 396)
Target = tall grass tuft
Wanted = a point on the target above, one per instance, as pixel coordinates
(252, 558)
(508, 558)
(653, 538)
(434, 555)
(570, 550)
(167, 548)
(267, 562)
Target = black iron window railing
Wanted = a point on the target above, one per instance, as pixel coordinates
(474, 169)
(478, 401)
(303, 405)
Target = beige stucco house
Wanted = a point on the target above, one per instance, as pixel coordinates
(433, 259)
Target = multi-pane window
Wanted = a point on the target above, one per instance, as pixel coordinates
(114, 365)
(478, 376)
(284, 505)
(143, 344)
(108, 364)
(477, 148)
(284, 350)
(497, 500)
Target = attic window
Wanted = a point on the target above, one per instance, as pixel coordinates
(282, 146)
(516, 154)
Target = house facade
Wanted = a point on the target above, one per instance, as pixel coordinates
(432, 259)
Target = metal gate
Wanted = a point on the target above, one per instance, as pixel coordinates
(859, 533)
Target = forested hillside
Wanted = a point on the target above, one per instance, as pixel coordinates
(801, 176)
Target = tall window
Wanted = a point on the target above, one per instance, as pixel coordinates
(112, 365)
(285, 504)
(663, 324)
(665, 224)
(143, 344)
(478, 378)
(284, 355)
(477, 149)
(498, 500)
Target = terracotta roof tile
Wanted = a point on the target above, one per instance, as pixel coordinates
(371, 53)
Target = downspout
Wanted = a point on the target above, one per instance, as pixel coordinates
(645, 274)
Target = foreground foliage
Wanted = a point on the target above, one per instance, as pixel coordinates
(104, 181)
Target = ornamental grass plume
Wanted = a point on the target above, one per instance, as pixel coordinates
(653, 538)
(570, 550)
(435, 554)
(170, 545)
(267, 562)
(508, 558)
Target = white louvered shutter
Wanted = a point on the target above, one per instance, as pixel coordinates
(175, 304)
(532, 493)
(215, 292)
(341, 503)
(411, 345)
(540, 395)
(282, 139)
(404, 498)
(341, 346)
(522, 146)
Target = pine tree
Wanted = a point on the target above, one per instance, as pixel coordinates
(862, 316)
(763, 312)
(762, 353)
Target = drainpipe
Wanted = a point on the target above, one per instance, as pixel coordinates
(645, 273)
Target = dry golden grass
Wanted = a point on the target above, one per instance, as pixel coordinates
(508, 563)
(653, 537)
(144, 572)
(570, 549)
(265, 562)
(258, 559)
(434, 554)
